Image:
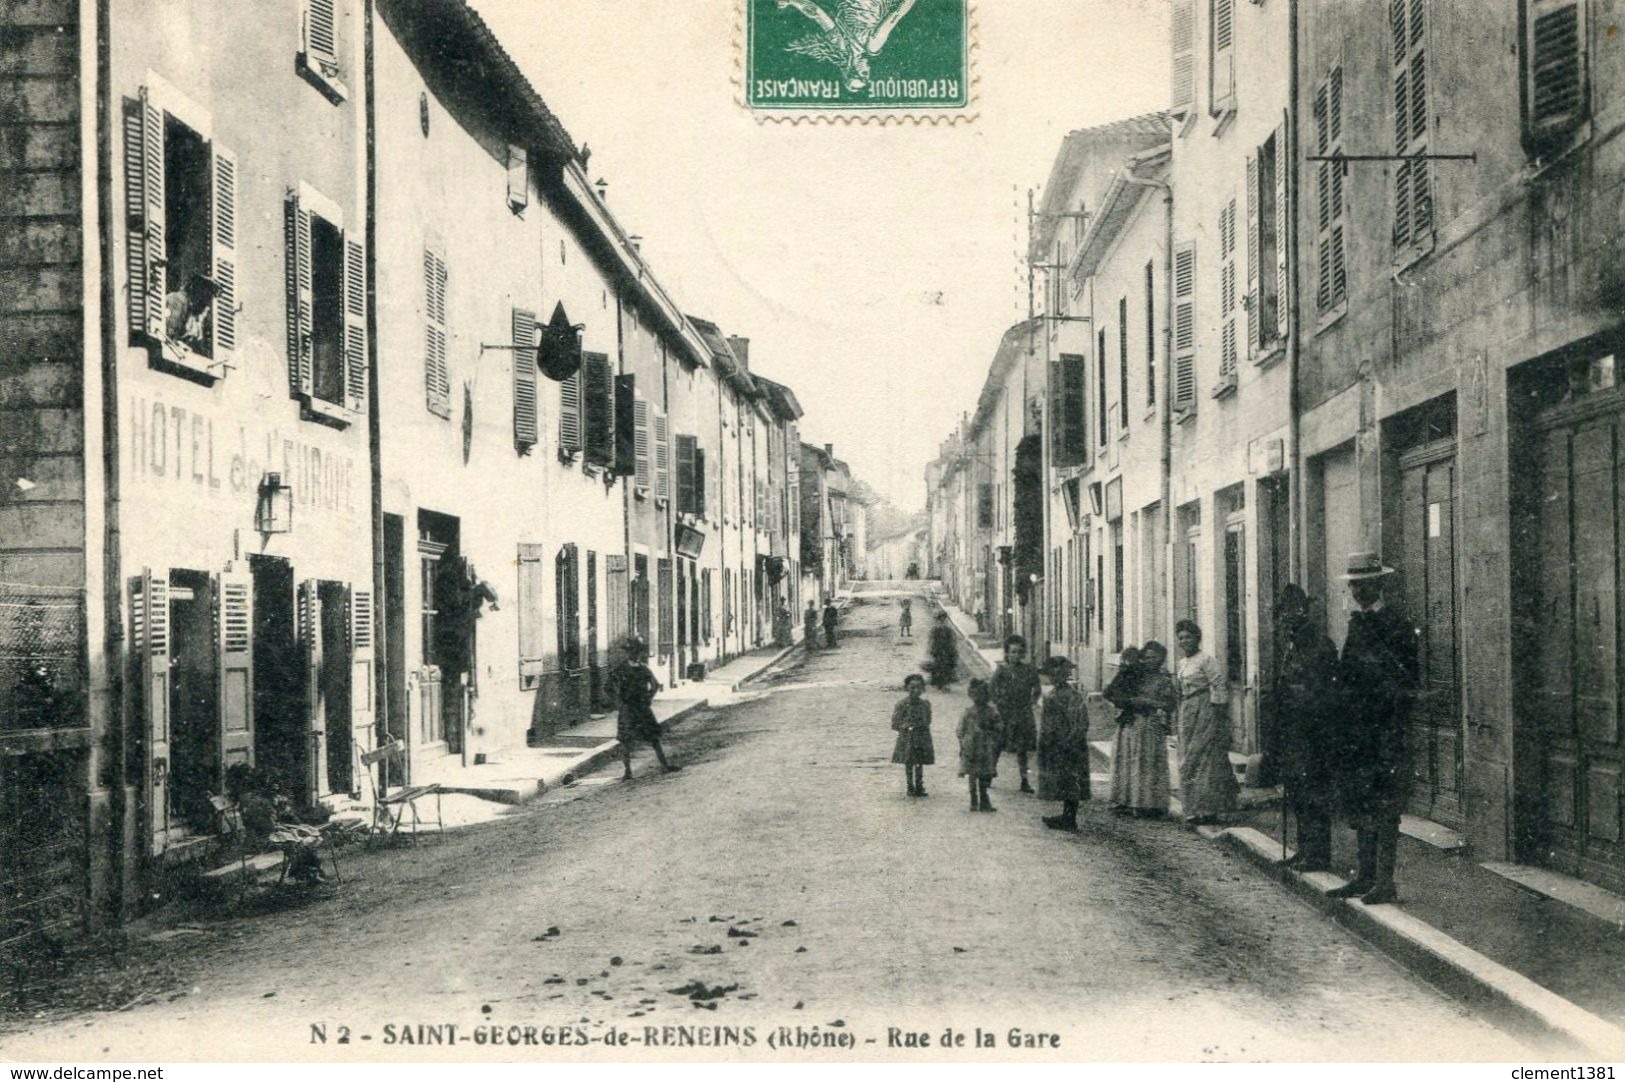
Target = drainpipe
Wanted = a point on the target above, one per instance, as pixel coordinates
(1295, 554)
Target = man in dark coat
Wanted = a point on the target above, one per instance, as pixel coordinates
(944, 663)
(1016, 688)
(832, 616)
(1306, 704)
(636, 687)
(1377, 678)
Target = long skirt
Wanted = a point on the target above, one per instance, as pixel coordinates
(1140, 765)
(1207, 784)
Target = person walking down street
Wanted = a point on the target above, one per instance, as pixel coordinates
(1377, 676)
(1016, 688)
(1207, 784)
(636, 686)
(911, 720)
(1140, 765)
(979, 731)
(1306, 705)
(1063, 746)
(809, 624)
(832, 616)
(944, 663)
(781, 623)
(905, 620)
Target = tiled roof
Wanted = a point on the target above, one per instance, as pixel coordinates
(1138, 132)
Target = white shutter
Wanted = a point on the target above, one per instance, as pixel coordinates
(355, 326)
(436, 370)
(234, 638)
(1185, 328)
(662, 438)
(518, 177)
(1223, 53)
(1256, 331)
(153, 222)
(301, 372)
(149, 635)
(1281, 166)
(643, 463)
(225, 257)
(570, 404)
(1183, 90)
(363, 679)
(524, 379)
(1556, 69)
(321, 35)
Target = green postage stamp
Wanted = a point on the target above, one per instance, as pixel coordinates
(821, 59)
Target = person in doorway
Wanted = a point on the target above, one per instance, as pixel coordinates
(943, 665)
(809, 624)
(1207, 784)
(1142, 743)
(979, 731)
(1306, 705)
(1063, 746)
(636, 687)
(905, 619)
(1377, 677)
(911, 720)
(832, 616)
(1017, 688)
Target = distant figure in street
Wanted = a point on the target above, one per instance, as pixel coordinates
(979, 731)
(1140, 764)
(1306, 704)
(1377, 676)
(905, 620)
(911, 720)
(1207, 784)
(636, 686)
(1063, 746)
(1016, 688)
(809, 624)
(781, 623)
(832, 616)
(944, 663)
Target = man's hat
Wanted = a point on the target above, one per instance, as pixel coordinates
(1365, 565)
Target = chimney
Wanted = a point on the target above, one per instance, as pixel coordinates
(740, 346)
(829, 449)
(637, 243)
(603, 189)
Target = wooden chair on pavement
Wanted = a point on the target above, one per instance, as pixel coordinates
(389, 809)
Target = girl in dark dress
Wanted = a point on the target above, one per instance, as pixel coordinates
(980, 731)
(911, 720)
(637, 686)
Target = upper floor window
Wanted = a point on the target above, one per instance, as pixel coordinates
(327, 335)
(1182, 94)
(1221, 56)
(318, 59)
(1556, 68)
(1266, 245)
(1413, 177)
(1331, 275)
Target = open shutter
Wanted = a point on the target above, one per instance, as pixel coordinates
(1183, 93)
(355, 326)
(518, 177)
(1257, 333)
(234, 631)
(1556, 69)
(642, 452)
(625, 427)
(436, 367)
(531, 571)
(225, 257)
(570, 413)
(301, 371)
(1076, 392)
(149, 635)
(1057, 414)
(363, 670)
(701, 507)
(310, 646)
(135, 220)
(687, 500)
(153, 222)
(1185, 328)
(662, 450)
(321, 35)
(598, 407)
(1281, 167)
(524, 380)
(1224, 53)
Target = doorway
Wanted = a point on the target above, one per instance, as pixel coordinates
(334, 675)
(444, 643)
(280, 747)
(193, 707)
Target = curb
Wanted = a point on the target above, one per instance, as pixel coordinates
(1447, 964)
(603, 753)
(739, 685)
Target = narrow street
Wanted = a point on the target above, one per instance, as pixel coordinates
(786, 865)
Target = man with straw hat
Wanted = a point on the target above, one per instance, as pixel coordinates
(1376, 676)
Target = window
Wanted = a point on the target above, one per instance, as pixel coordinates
(1266, 250)
(327, 362)
(598, 408)
(524, 380)
(531, 571)
(1227, 295)
(1185, 328)
(1331, 280)
(436, 373)
(1183, 90)
(518, 178)
(180, 192)
(984, 505)
(1413, 178)
(1221, 56)
(690, 477)
(1122, 362)
(318, 59)
(1100, 385)
(1068, 426)
(1556, 69)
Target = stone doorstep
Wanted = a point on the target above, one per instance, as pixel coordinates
(1600, 902)
(1428, 832)
(1434, 956)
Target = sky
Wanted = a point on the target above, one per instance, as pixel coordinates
(873, 268)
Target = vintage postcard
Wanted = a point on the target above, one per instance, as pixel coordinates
(1098, 544)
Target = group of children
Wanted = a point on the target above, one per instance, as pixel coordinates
(1000, 719)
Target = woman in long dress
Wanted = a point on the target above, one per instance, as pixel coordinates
(1207, 785)
(1143, 742)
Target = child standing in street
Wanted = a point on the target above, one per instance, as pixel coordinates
(979, 736)
(911, 720)
(905, 621)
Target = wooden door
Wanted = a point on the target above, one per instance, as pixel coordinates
(149, 638)
(234, 637)
(1427, 588)
(310, 647)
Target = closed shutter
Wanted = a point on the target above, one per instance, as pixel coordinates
(1256, 331)
(234, 639)
(321, 35)
(1281, 167)
(1057, 416)
(662, 450)
(1227, 291)
(1556, 70)
(531, 572)
(625, 427)
(642, 451)
(524, 379)
(436, 365)
(309, 616)
(149, 619)
(1185, 328)
(570, 414)
(701, 506)
(1074, 390)
(301, 355)
(598, 407)
(687, 469)
(355, 326)
(225, 258)
(1183, 95)
(1223, 55)
(663, 598)
(1122, 364)
(1413, 179)
(518, 177)
(363, 676)
(1331, 280)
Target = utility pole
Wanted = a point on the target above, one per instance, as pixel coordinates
(1031, 213)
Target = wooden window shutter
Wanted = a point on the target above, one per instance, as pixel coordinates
(146, 254)
(355, 326)
(1256, 331)
(234, 640)
(570, 414)
(626, 428)
(1413, 187)
(363, 658)
(1185, 328)
(1057, 415)
(321, 35)
(532, 568)
(701, 506)
(598, 407)
(662, 450)
(1281, 166)
(1150, 334)
(1330, 273)
(524, 379)
(436, 364)
(149, 633)
(225, 257)
(1074, 395)
(1183, 91)
(1222, 54)
(309, 630)
(642, 452)
(518, 177)
(1556, 70)
(1122, 364)
(1227, 290)
(301, 372)
(687, 466)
